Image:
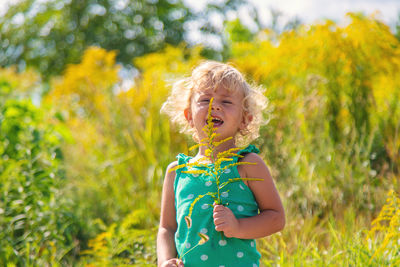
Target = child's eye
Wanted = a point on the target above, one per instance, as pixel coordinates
(205, 100)
(227, 102)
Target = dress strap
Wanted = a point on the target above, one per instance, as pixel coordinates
(248, 149)
(182, 159)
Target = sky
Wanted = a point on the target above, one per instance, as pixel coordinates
(310, 11)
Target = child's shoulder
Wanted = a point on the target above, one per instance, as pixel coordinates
(170, 174)
(256, 167)
(252, 158)
(171, 166)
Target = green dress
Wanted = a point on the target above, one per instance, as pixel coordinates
(218, 251)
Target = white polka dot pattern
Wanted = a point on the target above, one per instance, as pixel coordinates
(228, 254)
(204, 231)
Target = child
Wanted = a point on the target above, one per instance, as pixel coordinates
(250, 209)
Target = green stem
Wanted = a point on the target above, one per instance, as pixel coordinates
(181, 257)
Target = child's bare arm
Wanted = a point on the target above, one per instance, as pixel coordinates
(166, 251)
(271, 218)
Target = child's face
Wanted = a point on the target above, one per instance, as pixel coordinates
(227, 112)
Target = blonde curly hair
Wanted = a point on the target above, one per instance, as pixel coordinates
(214, 75)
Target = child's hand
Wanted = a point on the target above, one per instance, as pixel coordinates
(172, 263)
(225, 221)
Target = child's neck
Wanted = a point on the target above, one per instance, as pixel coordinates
(221, 148)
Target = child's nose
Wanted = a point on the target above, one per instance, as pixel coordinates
(215, 106)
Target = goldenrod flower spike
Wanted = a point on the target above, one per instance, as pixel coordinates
(196, 172)
(196, 146)
(388, 223)
(186, 165)
(212, 194)
(210, 123)
(222, 141)
(178, 167)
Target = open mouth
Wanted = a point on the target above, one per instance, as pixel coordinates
(217, 121)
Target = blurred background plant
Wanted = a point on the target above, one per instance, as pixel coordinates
(37, 226)
(126, 243)
(83, 152)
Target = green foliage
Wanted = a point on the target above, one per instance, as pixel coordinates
(224, 10)
(336, 242)
(113, 134)
(48, 35)
(35, 227)
(398, 27)
(237, 32)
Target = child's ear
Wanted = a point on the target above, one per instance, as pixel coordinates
(188, 116)
(247, 118)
